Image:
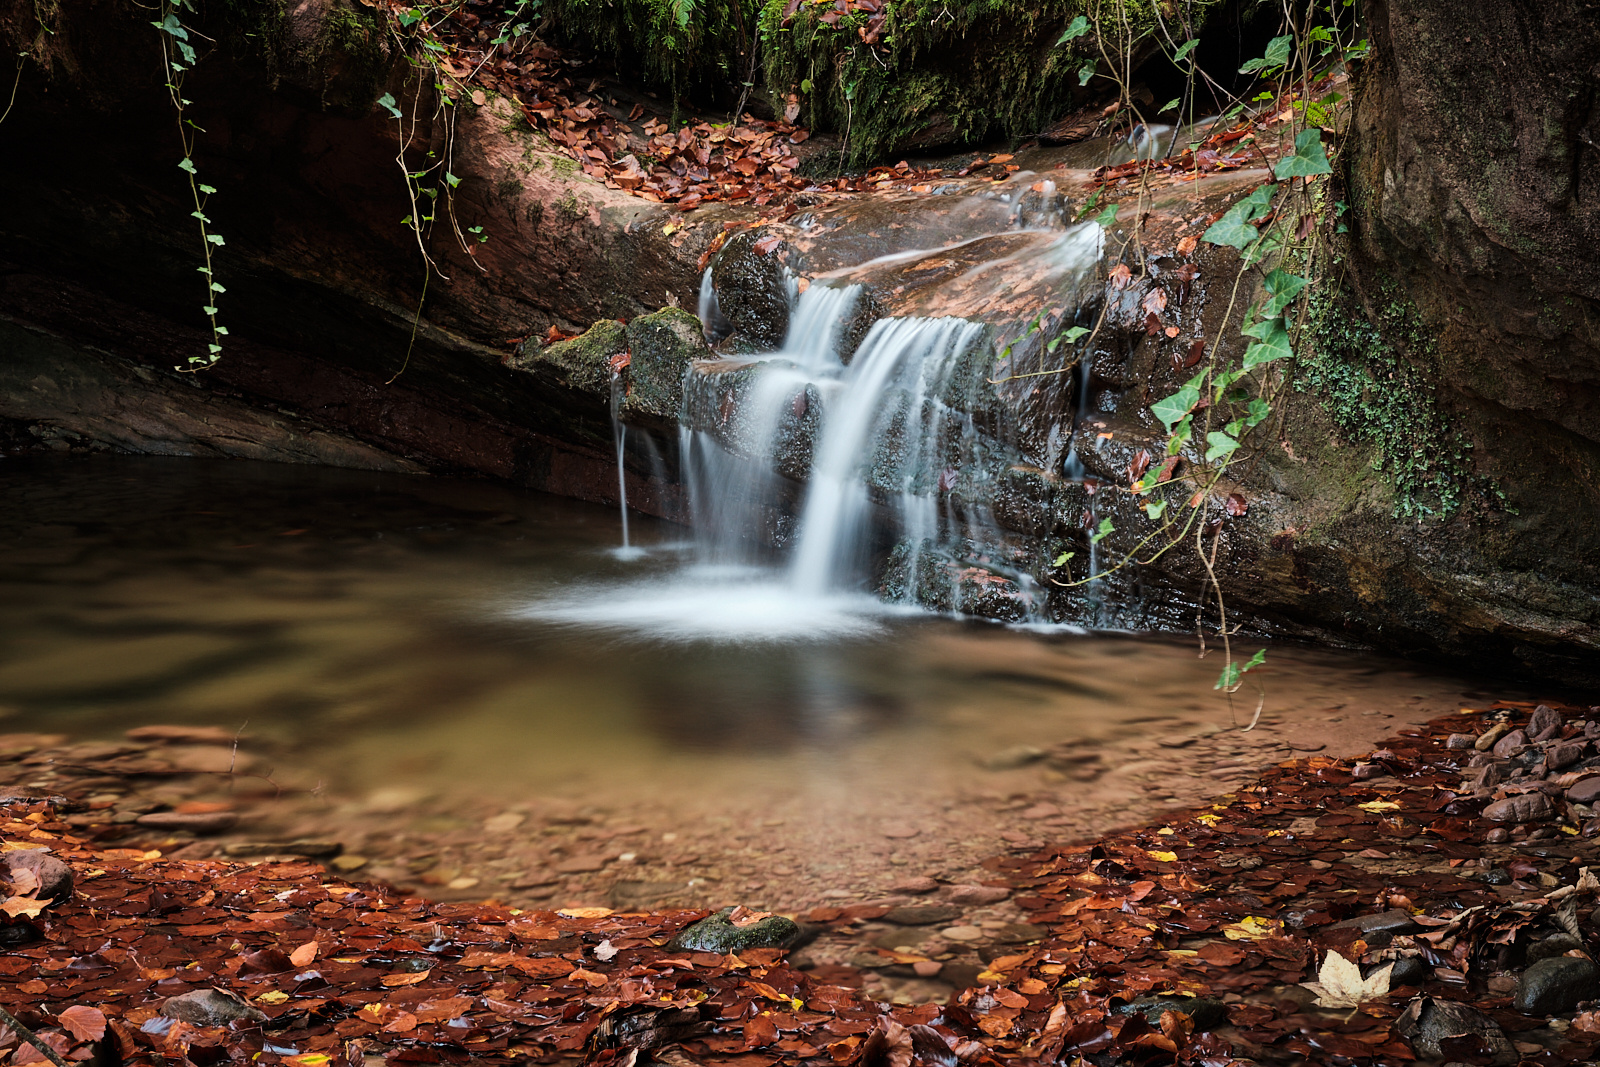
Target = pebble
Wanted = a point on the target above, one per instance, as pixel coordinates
(54, 877)
(1585, 790)
(976, 894)
(193, 735)
(582, 864)
(1563, 755)
(1041, 811)
(961, 933)
(915, 885)
(350, 863)
(718, 934)
(1545, 723)
(900, 830)
(504, 822)
(210, 1007)
(1012, 758)
(922, 914)
(198, 822)
(1524, 807)
(927, 968)
(1460, 741)
(1510, 744)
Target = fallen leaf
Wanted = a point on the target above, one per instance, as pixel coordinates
(1339, 984)
(84, 1023)
(1121, 277)
(302, 956)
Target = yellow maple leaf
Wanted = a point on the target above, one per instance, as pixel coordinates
(1164, 857)
(1252, 928)
(272, 996)
(1379, 805)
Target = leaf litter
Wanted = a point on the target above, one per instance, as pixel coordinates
(1180, 943)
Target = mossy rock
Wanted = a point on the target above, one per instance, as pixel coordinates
(680, 47)
(662, 344)
(717, 933)
(752, 290)
(582, 363)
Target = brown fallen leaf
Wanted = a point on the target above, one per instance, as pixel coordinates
(83, 1022)
(302, 956)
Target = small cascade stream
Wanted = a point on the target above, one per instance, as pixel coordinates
(854, 446)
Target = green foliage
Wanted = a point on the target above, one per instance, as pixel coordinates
(681, 46)
(1377, 396)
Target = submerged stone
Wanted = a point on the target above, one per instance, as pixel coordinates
(717, 933)
(1556, 984)
(210, 1007)
(1205, 1011)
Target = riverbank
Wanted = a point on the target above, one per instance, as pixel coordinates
(1392, 859)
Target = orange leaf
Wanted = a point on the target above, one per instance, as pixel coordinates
(393, 980)
(84, 1023)
(302, 956)
(402, 1023)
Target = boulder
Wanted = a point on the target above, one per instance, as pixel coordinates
(1524, 807)
(582, 363)
(718, 933)
(752, 289)
(1206, 1012)
(1544, 724)
(54, 877)
(210, 1007)
(1556, 984)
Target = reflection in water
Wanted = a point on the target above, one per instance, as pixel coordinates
(367, 626)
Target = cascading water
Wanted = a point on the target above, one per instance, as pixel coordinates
(619, 434)
(833, 450)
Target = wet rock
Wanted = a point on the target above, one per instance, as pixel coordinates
(976, 895)
(1011, 758)
(1525, 807)
(54, 877)
(736, 402)
(1395, 921)
(662, 345)
(718, 934)
(303, 847)
(1510, 744)
(752, 289)
(196, 822)
(1489, 737)
(582, 363)
(1205, 1011)
(1460, 741)
(1557, 757)
(1409, 970)
(1498, 875)
(1544, 724)
(1552, 946)
(923, 914)
(182, 735)
(1430, 1024)
(1585, 790)
(1556, 985)
(210, 1007)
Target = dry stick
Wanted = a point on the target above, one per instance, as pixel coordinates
(32, 1038)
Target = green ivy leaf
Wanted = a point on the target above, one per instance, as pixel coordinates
(387, 100)
(217, 288)
(1075, 29)
(1184, 49)
(1085, 73)
(1277, 55)
(1221, 446)
(1180, 435)
(1101, 532)
(209, 310)
(1155, 509)
(186, 164)
(1171, 410)
(1074, 333)
(1233, 228)
(1259, 410)
(1273, 344)
(216, 239)
(1234, 671)
(1309, 158)
(208, 190)
(1282, 287)
(1108, 217)
(1061, 560)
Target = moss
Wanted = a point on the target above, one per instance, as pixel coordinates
(348, 60)
(684, 46)
(946, 71)
(582, 363)
(1367, 374)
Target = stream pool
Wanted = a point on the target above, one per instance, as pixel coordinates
(453, 678)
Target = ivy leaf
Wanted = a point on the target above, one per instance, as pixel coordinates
(1101, 532)
(1075, 29)
(1277, 55)
(1273, 344)
(1085, 73)
(1221, 446)
(1074, 333)
(1184, 49)
(1234, 229)
(1180, 435)
(1171, 410)
(186, 164)
(387, 101)
(216, 239)
(1061, 560)
(1155, 509)
(1282, 287)
(1108, 217)
(1259, 410)
(1309, 158)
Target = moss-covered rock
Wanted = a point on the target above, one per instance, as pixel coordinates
(752, 290)
(718, 933)
(582, 363)
(682, 46)
(662, 345)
